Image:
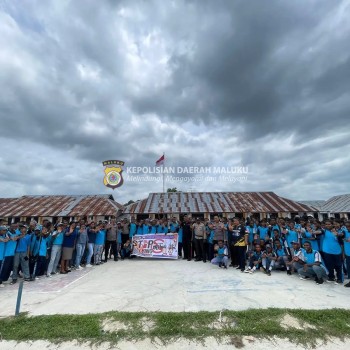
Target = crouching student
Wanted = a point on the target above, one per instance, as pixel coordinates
(269, 258)
(221, 258)
(297, 260)
(126, 250)
(282, 258)
(255, 260)
(313, 266)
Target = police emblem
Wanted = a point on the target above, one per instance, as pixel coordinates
(113, 173)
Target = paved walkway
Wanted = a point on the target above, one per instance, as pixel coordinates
(168, 285)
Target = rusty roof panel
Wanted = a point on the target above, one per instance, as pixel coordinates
(50, 206)
(216, 202)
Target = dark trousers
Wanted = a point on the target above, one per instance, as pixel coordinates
(333, 262)
(199, 247)
(111, 245)
(210, 251)
(179, 249)
(234, 254)
(241, 252)
(187, 246)
(125, 253)
(40, 266)
(347, 259)
(6, 268)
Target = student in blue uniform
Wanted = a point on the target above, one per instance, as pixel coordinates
(3, 240)
(22, 255)
(42, 253)
(269, 258)
(282, 257)
(332, 253)
(133, 228)
(221, 252)
(99, 243)
(56, 249)
(262, 233)
(9, 253)
(313, 265)
(346, 237)
(307, 234)
(255, 260)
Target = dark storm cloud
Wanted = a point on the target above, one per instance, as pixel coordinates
(249, 64)
(224, 83)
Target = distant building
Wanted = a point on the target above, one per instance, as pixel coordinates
(337, 207)
(209, 204)
(55, 208)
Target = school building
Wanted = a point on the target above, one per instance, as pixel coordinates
(56, 208)
(225, 204)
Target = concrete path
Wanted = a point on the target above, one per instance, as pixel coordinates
(168, 285)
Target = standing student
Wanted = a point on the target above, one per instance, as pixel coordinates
(200, 235)
(56, 250)
(9, 253)
(92, 231)
(81, 243)
(332, 253)
(42, 253)
(99, 243)
(133, 228)
(347, 249)
(68, 247)
(22, 255)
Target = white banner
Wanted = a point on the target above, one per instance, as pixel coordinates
(156, 246)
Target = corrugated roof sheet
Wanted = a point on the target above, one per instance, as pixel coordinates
(70, 205)
(213, 202)
(337, 204)
(315, 203)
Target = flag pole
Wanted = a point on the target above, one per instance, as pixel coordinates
(163, 171)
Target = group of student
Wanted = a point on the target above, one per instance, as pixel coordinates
(306, 246)
(312, 249)
(45, 250)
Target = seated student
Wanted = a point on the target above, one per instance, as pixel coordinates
(296, 262)
(313, 265)
(269, 258)
(282, 257)
(221, 257)
(255, 260)
(126, 250)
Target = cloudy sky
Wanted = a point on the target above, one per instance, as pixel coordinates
(264, 84)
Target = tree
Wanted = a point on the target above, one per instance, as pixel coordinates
(174, 189)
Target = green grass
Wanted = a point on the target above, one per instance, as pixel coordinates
(168, 326)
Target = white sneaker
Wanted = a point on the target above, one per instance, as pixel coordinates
(37, 278)
(2, 285)
(88, 265)
(251, 271)
(247, 270)
(48, 276)
(79, 268)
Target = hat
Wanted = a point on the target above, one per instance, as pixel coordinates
(37, 228)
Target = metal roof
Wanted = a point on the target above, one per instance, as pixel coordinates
(337, 204)
(70, 205)
(215, 202)
(314, 203)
